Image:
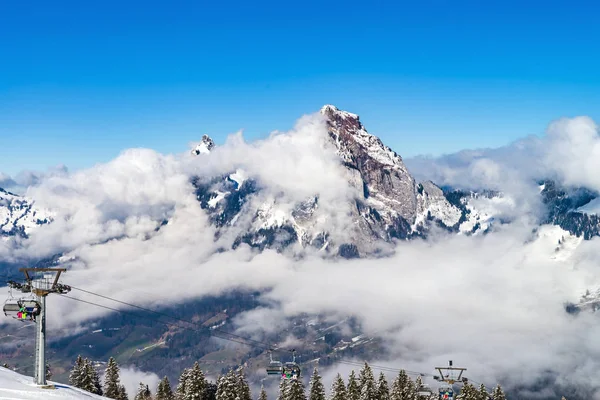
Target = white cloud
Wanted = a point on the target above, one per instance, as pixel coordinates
(6, 182)
(574, 151)
(492, 303)
(131, 378)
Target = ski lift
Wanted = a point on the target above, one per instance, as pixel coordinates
(446, 392)
(23, 309)
(291, 370)
(274, 367)
(424, 391)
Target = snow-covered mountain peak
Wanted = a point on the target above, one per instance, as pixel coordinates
(331, 110)
(385, 178)
(350, 136)
(205, 146)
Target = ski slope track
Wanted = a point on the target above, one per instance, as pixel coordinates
(14, 386)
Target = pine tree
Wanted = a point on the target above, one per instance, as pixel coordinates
(353, 391)
(316, 387)
(75, 375)
(417, 387)
(338, 389)
(383, 390)
(368, 387)
(498, 394)
(164, 391)
(283, 390)
(399, 387)
(410, 391)
(182, 383)
(111, 380)
(468, 392)
(210, 392)
(122, 393)
(483, 393)
(263, 393)
(243, 389)
(195, 383)
(227, 388)
(89, 379)
(143, 392)
(296, 390)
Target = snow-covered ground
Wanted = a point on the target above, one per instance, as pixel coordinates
(593, 207)
(14, 386)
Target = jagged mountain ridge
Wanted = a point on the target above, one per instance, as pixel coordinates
(393, 206)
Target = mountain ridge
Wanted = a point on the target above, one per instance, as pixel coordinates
(391, 204)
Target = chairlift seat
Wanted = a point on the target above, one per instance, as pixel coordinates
(446, 393)
(424, 390)
(274, 368)
(12, 309)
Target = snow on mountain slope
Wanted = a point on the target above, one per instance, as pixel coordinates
(14, 386)
(205, 146)
(563, 242)
(19, 215)
(483, 211)
(593, 207)
(433, 204)
(390, 205)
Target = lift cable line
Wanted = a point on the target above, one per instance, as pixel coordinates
(173, 317)
(253, 343)
(167, 324)
(250, 342)
(264, 345)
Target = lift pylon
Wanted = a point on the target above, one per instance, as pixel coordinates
(448, 377)
(446, 391)
(41, 287)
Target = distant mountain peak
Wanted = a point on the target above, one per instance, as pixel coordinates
(205, 146)
(332, 112)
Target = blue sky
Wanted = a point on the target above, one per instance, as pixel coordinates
(81, 81)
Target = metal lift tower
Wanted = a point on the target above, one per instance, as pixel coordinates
(42, 287)
(446, 392)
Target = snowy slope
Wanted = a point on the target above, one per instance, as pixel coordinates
(204, 147)
(19, 215)
(14, 386)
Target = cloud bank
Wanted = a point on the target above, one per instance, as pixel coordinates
(494, 303)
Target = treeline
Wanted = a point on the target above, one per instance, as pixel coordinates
(193, 385)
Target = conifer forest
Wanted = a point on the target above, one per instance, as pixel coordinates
(233, 385)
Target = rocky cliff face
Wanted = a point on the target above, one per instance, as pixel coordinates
(391, 205)
(378, 168)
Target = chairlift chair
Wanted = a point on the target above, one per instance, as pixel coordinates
(13, 309)
(291, 370)
(446, 393)
(274, 367)
(424, 391)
